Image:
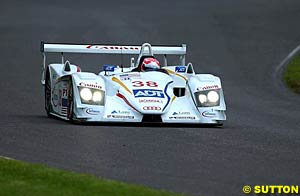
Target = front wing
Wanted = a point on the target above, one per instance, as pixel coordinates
(182, 110)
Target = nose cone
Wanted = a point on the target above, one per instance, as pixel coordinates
(149, 92)
(153, 101)
(150, 101)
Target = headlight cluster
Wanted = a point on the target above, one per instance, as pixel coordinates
(207, 98)
(91, 96)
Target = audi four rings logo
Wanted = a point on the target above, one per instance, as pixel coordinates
(151, 108)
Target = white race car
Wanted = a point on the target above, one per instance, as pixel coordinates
(144, 91)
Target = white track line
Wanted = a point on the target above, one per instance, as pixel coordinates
(7, 158)
(279, 71)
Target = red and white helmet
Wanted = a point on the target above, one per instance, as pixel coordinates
(150, 64)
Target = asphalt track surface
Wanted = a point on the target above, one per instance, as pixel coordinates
(241, 41)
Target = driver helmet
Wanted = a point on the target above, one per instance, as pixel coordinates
(150, 64)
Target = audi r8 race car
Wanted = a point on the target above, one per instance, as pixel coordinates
(143, 91)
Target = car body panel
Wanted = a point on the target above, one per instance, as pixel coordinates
(130, 96)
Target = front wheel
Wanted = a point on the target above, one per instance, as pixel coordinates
(48, 93)
(70, 114)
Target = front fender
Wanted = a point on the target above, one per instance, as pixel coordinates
(206, 82)
(88, 80)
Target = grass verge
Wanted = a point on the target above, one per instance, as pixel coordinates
(291, 75)
(20, 178)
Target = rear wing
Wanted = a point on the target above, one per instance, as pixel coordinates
(109, 49)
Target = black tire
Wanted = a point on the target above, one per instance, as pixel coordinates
(70, 113)
(48, 93)
(219, 124)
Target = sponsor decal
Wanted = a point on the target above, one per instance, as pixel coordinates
(90, 85)
(156, 108)
(130, 76)
(148, 93)
(92, 111)
(150, 101)
(135, 75)
(112, 47)
(125, 77)
(64, 106)
(208, 114)
(120, 116)
(208, 87)
(120, 112)
(180, 69)
(108, 68)
(183, 117)
(60, 97)
(179, 116)
(181, 113)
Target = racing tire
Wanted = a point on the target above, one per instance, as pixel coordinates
(219, 125)
(216, 125)
(48, 93)
(70, 113)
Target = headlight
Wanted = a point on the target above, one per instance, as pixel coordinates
(91, 96)
(97, 96)
(213, 96)
(86, 94)
(208, 98)
(202, 98)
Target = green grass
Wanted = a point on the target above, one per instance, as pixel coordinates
(291, 75)
(20, 178)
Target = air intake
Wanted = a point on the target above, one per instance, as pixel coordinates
(151, 118)
(179, 92)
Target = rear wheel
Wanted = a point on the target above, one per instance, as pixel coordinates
(47, 93)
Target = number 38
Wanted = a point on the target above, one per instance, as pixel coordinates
(140, 84)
